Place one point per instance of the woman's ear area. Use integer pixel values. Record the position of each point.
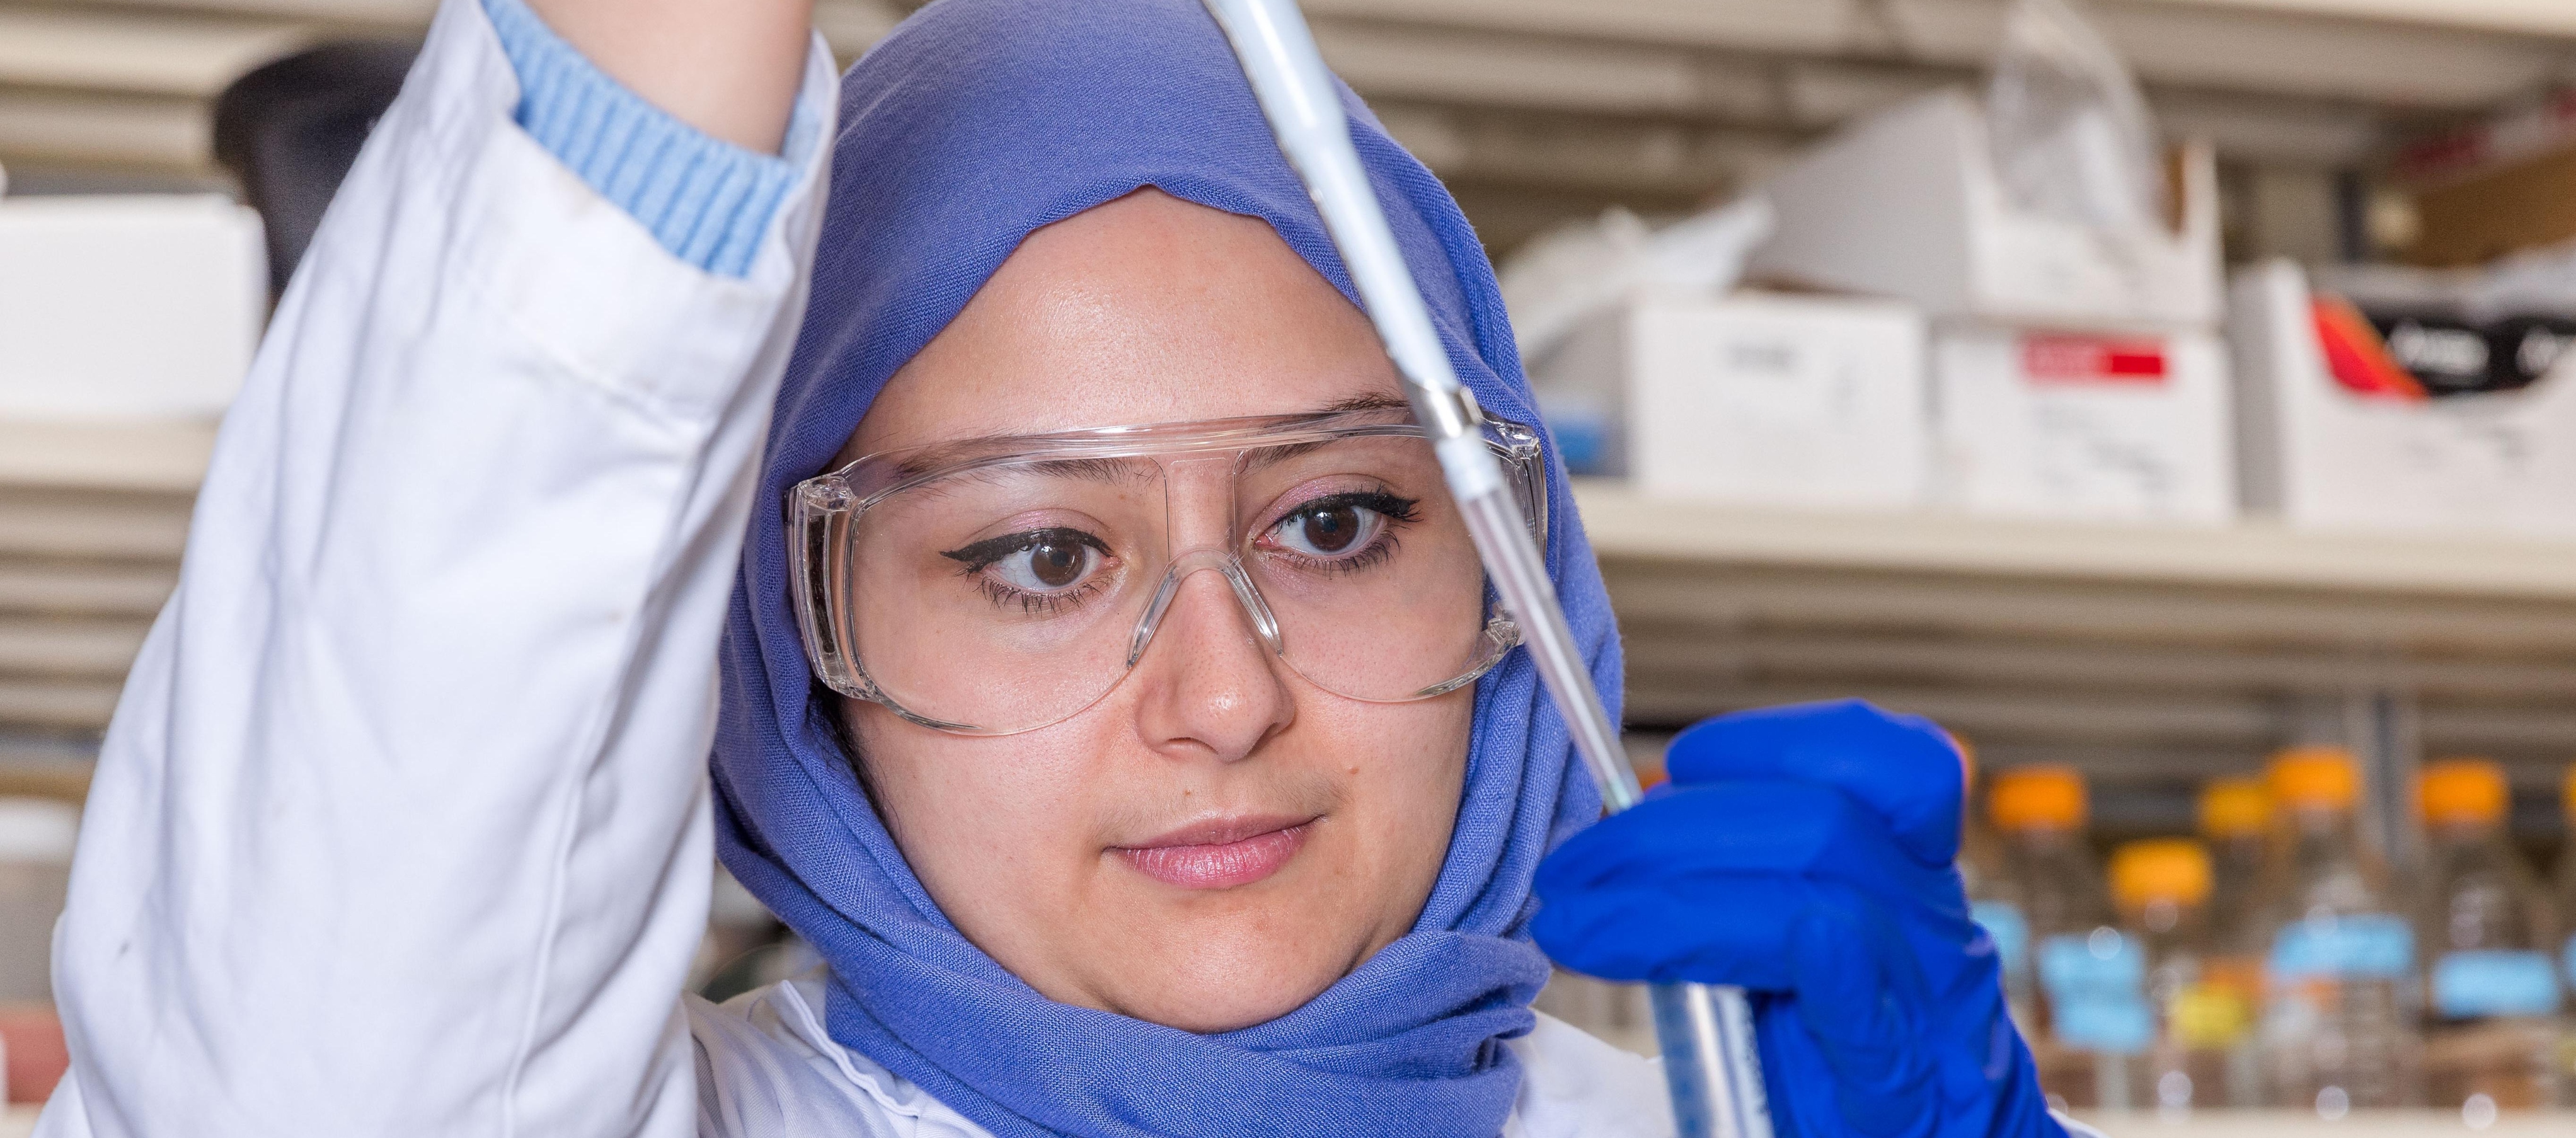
(836, 710)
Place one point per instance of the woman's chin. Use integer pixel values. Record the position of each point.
(1218, 982)
(1213, 1009)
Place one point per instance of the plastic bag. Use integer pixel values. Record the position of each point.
(1573, 272)
(2071, 135)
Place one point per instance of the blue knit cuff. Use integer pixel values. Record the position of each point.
(707, 201)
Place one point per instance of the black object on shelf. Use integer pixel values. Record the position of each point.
(291, 129)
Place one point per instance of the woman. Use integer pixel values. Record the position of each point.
(1136, 781)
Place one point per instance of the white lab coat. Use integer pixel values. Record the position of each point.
(402, 824)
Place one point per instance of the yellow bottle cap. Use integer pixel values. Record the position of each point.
(2234, 808)
(2313, 777)
(2159, 869)
(2211, 1016)
(2041, 796)
(2461, 790)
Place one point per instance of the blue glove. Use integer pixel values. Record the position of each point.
(1806, 854)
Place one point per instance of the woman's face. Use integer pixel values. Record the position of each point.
(1217, 841)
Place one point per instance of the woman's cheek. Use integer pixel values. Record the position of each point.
(1007, 834)
(995, 827)
(1400, 768)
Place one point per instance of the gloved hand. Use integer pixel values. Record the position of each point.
(1806, 854)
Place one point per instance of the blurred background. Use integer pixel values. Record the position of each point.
(2143, 389)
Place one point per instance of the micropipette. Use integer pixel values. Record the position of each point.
(1706, 1032)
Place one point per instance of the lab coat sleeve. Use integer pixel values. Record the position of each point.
(401, 826)
(706, 200)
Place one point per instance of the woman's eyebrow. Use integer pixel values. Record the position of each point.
(1371, 402)
(1106, 470)
(1112, 471)
(1271, 455)
(1109, 470)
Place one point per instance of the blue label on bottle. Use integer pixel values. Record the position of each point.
(2096, 985)
(2364, 946)
(2004, 925)
(2494, 983)
(2569, 960)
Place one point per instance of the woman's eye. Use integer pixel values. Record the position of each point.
(1047, 564)
(1329, 529)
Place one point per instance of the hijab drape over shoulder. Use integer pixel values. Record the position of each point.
(975, 123)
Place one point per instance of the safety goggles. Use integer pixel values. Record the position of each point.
(995, 586)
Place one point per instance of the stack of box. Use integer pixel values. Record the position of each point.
(2438, 408)
(2075, 371)
(1765, 399)
(127, 307)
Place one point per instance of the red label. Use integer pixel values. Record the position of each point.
(2093, 359)
(2445, 154)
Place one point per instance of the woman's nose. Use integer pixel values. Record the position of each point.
(1208, 686)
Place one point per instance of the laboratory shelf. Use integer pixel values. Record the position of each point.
(1630, 526)
(92, 522)
(2144, 653)
(145, 458)
(2534, 17)
(1670, 99)
(2304, 1124)
(20, 1121)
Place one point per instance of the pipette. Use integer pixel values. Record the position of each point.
(1706, 1033)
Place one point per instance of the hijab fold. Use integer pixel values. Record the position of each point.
(973, 124)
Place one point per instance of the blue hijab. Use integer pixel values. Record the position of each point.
(975, 123)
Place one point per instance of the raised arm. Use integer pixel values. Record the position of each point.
(726, 67)
(401, 825)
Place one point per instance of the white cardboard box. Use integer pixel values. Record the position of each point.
(2318, 455)
(1907, 203)
(1755, 398)
(127, 306)
(2117, 426)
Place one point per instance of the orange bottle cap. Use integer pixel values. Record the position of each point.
(2234, 808)
(2314, 777)
(2160, 869)
(2033, 797)
(2461, 790)
(2567, 793)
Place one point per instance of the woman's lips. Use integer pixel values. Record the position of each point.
(1221, 853)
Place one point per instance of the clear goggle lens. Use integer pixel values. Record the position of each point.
(1007, 584)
